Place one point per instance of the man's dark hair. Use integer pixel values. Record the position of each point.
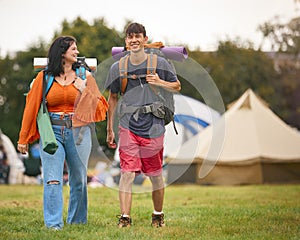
(135, 28)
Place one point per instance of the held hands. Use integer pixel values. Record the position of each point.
(80, 84)
(22, 148)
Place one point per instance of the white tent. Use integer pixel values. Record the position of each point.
(191, 117)
(16, 165)
(257, 147)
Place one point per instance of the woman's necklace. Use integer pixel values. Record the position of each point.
(66, 79)
(67, 76)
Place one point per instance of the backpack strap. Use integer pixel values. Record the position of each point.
(80, 72)
(123, 69)
(151, 63)
(47, 82)
(151, 69)
(48, 78)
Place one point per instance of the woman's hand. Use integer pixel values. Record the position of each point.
(23, 148)
(80, 84)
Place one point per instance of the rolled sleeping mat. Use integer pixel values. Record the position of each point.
(177, 53)
(40, 63)
(118, 52)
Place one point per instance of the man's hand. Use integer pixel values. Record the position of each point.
(110, 139)
(153, 79)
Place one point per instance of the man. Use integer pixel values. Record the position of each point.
(141, 133)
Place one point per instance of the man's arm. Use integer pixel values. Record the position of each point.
(112, 103)
(169, 86)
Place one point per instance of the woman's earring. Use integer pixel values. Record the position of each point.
(63, 57)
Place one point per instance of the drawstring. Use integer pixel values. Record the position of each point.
(62, 130)
(80, 135)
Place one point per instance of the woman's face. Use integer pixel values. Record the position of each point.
(71, 53)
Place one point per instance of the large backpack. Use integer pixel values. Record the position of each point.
(164, 96)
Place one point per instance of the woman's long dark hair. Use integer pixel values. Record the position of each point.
(55, 54)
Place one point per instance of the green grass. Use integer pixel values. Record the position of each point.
(192, 212)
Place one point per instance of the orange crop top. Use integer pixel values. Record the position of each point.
(61, 98)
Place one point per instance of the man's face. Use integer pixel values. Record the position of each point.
(135, 41)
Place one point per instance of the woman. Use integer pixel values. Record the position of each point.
(69, 100)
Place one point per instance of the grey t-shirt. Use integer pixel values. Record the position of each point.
(139, 93)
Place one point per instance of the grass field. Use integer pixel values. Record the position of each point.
(192, 212)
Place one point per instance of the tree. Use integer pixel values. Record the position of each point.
(235, 68)
(16, 74)
(95, 40)
(285, 39)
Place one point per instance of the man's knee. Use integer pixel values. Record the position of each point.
(127, 176)
(157, 182)
(126, 181)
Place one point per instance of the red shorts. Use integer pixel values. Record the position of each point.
(138, 154)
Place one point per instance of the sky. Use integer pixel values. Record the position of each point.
(193, 23)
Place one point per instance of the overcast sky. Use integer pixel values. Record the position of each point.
(193, 23)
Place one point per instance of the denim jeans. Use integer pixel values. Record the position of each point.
(74, 146)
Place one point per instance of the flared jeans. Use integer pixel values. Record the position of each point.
(74, 146)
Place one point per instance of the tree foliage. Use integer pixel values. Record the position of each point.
(16, 74)
(95, 40)
(235, 69)
(284, 37)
